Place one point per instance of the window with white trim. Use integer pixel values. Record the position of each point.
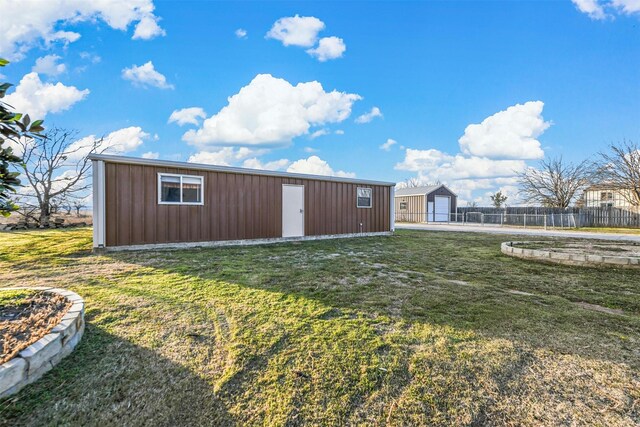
(174, 189)
(364, 197)
(606, 195)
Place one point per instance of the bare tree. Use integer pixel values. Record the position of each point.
(413, 183)
(66, 205)
(56, 167)
(54, 206)
(78, 205)
(619, 169)
(63, 204)
(27, 211)
(409, 183)
(555, 183)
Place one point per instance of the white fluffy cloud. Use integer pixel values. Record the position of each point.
(591, 8)
(319, 133)
(49, 65)
(91, 57)
(627, 6)
(148, 28)
(296, 30)
(387, 145)
(464, 175)
(314, 165)
(146, 76)
(151, 155)
(191, 115)
(367, 117)
(328, 48)
(421, 160)
(272, 111)
(36, 98)
(509, 134)
(303, 31)
(241, 33)
(478, 167)
(248, 158)
(492, 154)
(25, 23)
(225, 156)
(440, 166)
(275, 165)
(602, 9)
(120, 141)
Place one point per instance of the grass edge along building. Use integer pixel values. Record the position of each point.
(146, 203)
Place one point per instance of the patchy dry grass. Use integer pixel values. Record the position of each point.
(423, 328)
(613, 230)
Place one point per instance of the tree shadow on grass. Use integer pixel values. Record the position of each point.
(450, 309)
(111, 381)
(296, 307)
(440, 285)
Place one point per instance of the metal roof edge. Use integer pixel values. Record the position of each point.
(428, 192)
(443, 185)
(229, 169)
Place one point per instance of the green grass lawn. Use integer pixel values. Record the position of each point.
(422, 328)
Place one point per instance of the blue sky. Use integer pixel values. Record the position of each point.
(470, 92)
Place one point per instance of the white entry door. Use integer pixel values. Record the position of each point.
(292, 210)
(441, 208)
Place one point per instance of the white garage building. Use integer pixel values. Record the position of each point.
(429, 203)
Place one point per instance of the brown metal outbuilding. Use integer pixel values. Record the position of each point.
(152, 203)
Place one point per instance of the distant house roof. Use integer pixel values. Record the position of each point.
(419, 191)
(604, 186)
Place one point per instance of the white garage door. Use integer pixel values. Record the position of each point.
(442, 209)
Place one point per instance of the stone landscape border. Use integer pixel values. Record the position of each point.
(587, 260)
(40, 357)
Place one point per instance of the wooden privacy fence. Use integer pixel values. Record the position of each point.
(518, 216)
(569, 217)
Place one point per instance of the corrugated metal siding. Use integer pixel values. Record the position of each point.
(236, 206)
(415, 211)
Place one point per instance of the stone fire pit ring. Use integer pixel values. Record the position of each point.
(572, 256)
(40, 357)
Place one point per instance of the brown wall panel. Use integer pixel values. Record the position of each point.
(149, 205)
(236, 206)
(223, 208)
(124, 203)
